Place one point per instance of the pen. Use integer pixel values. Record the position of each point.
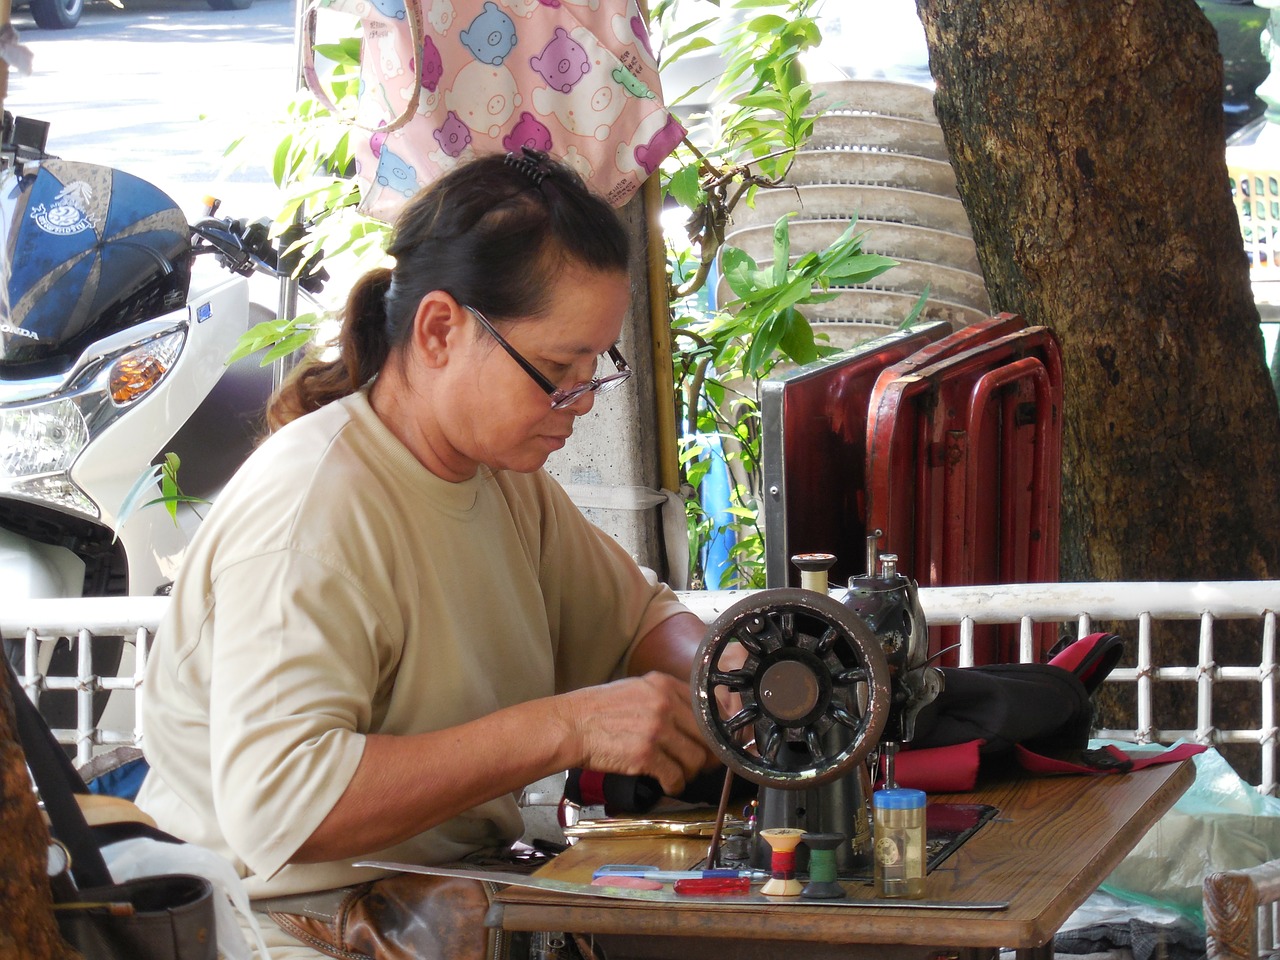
(668, 876)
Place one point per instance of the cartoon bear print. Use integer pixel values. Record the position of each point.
(655, 138)
(441, 15)
(639, 34)
(484, 97)
(527, 132)
(562, 62)
(452, 135)
(389, 62)
(627, 80)
(522, 8)
(605, 98)
(391, 9)
(578, 163)
(432, 67)
(491, 35)
(394, 174)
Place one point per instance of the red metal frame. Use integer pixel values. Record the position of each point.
(964, 463)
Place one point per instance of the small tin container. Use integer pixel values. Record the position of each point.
(898, 842)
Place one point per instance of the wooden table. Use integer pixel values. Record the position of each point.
(1053, 841)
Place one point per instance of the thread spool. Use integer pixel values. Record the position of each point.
(782, 843)
(822, 883)
(813, 569)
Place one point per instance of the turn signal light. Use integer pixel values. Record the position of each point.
(133, 374)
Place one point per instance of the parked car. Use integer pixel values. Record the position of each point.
(65, 14)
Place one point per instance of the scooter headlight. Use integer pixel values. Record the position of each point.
(41, 439)
(38, 445)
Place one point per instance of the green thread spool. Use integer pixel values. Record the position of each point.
(822, 883)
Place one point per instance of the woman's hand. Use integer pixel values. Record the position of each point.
(641, 725)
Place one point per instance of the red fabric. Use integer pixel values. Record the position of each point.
(591, 788)
(952, 769)
(1108, 759)
(1071, 656)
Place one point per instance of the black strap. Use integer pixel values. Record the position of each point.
(58, 783)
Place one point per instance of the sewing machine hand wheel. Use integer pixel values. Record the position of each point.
(814, 686)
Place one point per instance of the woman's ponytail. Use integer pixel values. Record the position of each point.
(363, 347)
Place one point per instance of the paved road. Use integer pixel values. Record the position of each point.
(160, 88)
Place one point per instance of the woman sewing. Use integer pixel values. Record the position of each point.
(393, 619)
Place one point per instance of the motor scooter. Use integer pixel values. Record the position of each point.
(117, 318)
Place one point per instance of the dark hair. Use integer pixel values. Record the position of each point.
(492, 233)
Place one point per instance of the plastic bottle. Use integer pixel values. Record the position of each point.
(898, 842)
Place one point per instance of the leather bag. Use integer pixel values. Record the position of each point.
(165, 917)
(402, 917)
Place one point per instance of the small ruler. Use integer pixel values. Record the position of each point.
(669, 897)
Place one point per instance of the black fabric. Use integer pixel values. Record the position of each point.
(621, 793)
(58, 783)
(1146, 940)
(1038, 705)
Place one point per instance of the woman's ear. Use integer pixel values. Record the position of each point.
(438, 327)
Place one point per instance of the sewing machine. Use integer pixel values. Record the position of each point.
(829, 688)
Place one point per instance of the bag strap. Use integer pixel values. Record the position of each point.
(57, 782)
(413, 17)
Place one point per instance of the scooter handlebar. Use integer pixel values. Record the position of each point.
(246, 247)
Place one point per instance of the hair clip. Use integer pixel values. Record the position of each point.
(532, 163)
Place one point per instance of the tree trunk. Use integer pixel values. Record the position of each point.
(1087, 138)
(27, 927)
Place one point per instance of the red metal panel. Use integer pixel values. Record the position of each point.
(964, 458)
(823, 431)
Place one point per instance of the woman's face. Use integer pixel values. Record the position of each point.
(495, 413)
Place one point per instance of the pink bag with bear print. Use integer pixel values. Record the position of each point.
(446, 80)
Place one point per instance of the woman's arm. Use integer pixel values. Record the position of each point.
(404, 785)
(670, 647)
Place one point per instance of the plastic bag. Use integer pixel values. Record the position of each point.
(1220, 823)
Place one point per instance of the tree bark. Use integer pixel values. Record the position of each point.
(27, 926)
(1087, 138)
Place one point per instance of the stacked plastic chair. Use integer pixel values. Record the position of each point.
(877, 155)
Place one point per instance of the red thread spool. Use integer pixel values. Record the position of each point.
(782, 862)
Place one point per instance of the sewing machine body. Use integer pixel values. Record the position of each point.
(829, 688)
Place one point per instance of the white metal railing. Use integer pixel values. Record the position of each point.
(41, 621)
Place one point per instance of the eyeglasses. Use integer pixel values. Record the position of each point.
(560, 398)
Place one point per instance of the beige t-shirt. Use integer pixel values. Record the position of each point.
(338, 588)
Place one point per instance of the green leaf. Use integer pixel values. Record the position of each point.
(767, 23)
(797, 339)
(781, 247)
(280, 162)
(861, 268)
(684, 187)
(693, 46)
(740, 272)
(917, 308)
(763, 344)
(286, 346)
(339, 53)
